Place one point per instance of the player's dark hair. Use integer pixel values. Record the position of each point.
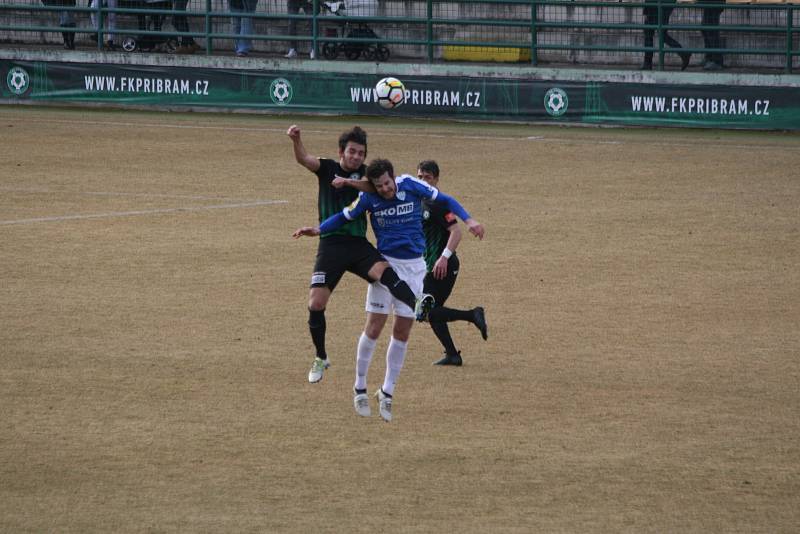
(377, 167)
(429, 166)
(356, 135)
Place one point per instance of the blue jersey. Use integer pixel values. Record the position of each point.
(397, 222)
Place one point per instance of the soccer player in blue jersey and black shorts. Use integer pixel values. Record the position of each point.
(345, 248)
(396, 217)
(442, 236)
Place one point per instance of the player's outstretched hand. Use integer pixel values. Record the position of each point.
(339, 182)
(310, 231)
(476, 228)
(293, 132)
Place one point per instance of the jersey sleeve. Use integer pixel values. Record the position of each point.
(452, 204)
(358, 207)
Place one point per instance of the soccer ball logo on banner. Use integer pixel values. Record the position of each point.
(390, 93)
(18, 80)
(556, 102)
(280, 91)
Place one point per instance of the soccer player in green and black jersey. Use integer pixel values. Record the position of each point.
(442, 235)
(347, 248)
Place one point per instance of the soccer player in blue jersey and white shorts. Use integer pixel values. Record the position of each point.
(346, 248)
(396, 216)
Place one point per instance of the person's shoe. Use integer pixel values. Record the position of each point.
(291, 54)
(70, 43)
(685, 58)
(384, 404)
(361, 403)
(646, 66)
(317, 370)
(450, 360)
(312, 54)
(711, 65)
(479, 318)
(241, 54)
(425, 304)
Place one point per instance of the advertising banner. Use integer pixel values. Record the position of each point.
(426, 96)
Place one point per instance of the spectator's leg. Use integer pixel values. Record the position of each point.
(650, 17)
(711, 38)
(112, 21)
(93, 17)
(236, 28)
(65, 20)
(293, 8)
(181, 23)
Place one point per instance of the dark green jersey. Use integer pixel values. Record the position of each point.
(436, 221)
(332, 201)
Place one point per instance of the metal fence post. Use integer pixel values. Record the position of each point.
(99, 29)
(429, 30)
(789, 37)
(209, 41)
(534, 36)
(314, 26)
(660, 33)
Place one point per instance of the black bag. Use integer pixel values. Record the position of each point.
(236, 4)
(60, 3)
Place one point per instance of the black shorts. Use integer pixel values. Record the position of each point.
(441, 289)
(337, 254)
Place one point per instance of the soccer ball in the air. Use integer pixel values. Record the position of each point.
(390, 93)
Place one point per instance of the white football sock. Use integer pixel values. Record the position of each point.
(395, 356)
(366, 347)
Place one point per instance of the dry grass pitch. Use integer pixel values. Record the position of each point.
(641, 372)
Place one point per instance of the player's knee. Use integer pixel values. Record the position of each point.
(377, 271)
(389, 278)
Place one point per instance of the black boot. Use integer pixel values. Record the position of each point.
(65, 36)
(69, 37)
(685, 58)
(448, 359)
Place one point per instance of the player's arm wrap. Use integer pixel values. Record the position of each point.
(334, 222)
(452, 205)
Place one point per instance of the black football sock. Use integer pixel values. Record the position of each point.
(316, 325)
(443, 335)
(441, 314)
(398, 288)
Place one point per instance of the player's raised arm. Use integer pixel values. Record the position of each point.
(300, 154)
(363, 185)
(475, 228)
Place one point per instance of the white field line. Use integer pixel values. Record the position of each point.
(416, 133)
(134, 213)
(114, 194)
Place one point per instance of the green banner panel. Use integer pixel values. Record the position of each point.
(426, 96)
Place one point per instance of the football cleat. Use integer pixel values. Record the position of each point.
(450, 360)
(479, 318)
(425, 304)
(361, 404)
(384, 405)
(317, 370)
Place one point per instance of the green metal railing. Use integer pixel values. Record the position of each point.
(756, 35)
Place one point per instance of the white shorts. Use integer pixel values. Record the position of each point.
(380, 300)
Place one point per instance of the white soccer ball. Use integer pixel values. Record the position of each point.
(390, 93)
